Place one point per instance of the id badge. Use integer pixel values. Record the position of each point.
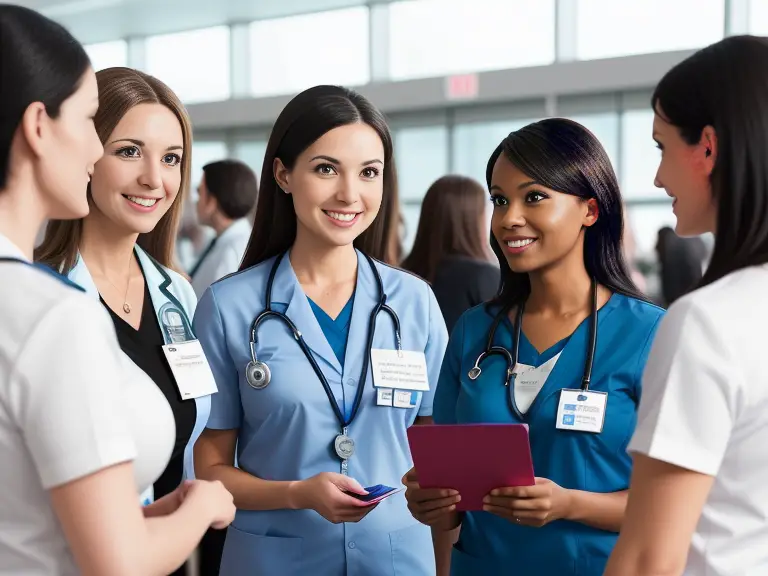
(581, 411)
(396, 398)
(190, 369)
(399, 370)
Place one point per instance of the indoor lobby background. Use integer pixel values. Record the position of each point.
(453, 76)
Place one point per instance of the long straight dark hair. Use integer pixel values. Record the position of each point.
(564, 156)
(303, 121)
(725, 86)
(451, 223)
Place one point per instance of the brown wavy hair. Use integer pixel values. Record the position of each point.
(120, 89)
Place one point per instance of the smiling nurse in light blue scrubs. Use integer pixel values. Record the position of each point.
(322, 355)
(556, 229)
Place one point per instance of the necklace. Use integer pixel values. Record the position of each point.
(126, 305)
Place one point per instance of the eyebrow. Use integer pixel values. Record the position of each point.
(335, 161)
(519, 186)
(142, 143)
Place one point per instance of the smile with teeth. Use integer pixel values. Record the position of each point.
(520, 243)
(342, 217)
(146, 202)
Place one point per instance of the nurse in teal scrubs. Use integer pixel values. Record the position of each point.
(302, 407)
(556, 230)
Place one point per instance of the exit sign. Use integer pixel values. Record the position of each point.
(462, 87)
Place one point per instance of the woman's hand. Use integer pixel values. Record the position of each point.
(535, 506)
(434, 507)
(326, 494)
(214, 499)
(169, 503)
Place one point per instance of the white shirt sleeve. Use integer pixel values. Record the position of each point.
(67, 398)
(692, 391)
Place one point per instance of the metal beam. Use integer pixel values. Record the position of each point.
(627, 74)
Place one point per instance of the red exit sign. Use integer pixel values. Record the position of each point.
(462, 86)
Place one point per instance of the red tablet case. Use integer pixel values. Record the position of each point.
(471, 458)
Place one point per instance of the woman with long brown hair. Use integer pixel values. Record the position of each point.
(306, 415)
(122, 251)
(451, 250)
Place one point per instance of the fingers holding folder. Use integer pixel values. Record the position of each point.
(435, 507)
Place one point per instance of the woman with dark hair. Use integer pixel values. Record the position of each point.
(306, 343)
(576, 333)
(451, 249)
(680, 264)
(699, 499)
(82, 434)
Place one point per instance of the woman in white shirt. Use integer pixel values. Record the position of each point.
(82, 431)
(698, 502)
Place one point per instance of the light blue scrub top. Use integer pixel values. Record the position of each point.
(575, 460)
(286, 430)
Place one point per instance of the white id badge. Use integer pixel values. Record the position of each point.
(581, 411)
(190, 369)
(399, 370)
(384, 396)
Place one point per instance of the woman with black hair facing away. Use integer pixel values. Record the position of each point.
(82, 432)
(699, 499)
(304, 404)
(451, 249)
(556, 230)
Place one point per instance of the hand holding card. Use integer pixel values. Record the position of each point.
(376, 494)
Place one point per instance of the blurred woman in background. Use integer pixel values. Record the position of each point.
(451, 250)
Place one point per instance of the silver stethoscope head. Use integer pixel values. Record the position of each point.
(257, 373)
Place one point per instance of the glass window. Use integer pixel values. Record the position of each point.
(607, 28)
(411, 214)
(291, 54)
(204, 152)
(108, 54)
(252, 153)
(640, 157)
(421, 155)
(644, 222)
(605, 127)
(441, 37)
(195, 64)
(474, 143)
(758, 17)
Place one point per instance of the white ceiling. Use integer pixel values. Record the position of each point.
(102, 20)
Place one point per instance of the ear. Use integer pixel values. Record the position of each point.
(281, 175)
(33, 126)
(708, 142)
(593, 211)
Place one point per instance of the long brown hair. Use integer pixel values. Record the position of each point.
(303, 121)
(120, 89)
(451, 223)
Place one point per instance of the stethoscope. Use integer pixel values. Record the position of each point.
(511, 357)
(258, 375)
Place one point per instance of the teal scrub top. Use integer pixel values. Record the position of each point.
(286, 430)
(576, 460)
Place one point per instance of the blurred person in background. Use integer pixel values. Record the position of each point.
(698, 500)
(681, 264)
(451, 249)
(82, 430)
(121, 253)
(226, 196)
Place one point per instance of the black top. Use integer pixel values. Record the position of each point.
(144, 347)
(462, 283)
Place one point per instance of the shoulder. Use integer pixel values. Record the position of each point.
(396, 279)
(637, 311)
(253, 279)
(732, 308)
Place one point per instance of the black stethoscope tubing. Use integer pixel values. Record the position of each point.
(511, 357)
(381, 305)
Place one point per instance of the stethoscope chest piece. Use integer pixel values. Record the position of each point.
(258, 375)
(474, 373)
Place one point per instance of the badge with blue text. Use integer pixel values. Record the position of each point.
(581, 411)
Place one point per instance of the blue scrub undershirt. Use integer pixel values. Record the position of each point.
(336, 331)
